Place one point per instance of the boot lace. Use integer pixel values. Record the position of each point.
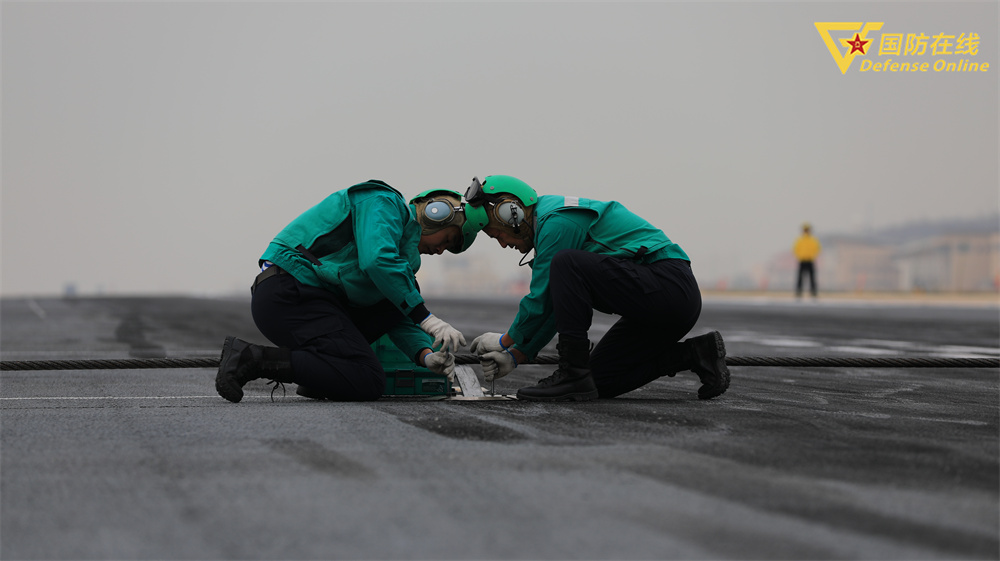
(275, 388)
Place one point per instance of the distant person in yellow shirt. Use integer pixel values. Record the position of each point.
(807, 249)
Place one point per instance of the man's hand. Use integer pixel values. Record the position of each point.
(487, 342)
(497, 364)
(441, 363)
(446, 337)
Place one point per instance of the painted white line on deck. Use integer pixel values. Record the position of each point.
(956, 421)
(36, 308)
(876, 347)
(862, 351)
(964, 350)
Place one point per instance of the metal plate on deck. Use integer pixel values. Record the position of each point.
(471, 390)
(468, 380)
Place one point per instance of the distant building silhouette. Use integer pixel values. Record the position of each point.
(951, 263)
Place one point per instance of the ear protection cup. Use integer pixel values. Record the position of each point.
(439, 212)
(510, 213)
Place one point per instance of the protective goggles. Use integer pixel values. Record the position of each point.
(475, 195)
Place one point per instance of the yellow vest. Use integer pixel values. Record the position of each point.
(807, 248)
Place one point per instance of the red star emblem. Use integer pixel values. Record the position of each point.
(858, 45)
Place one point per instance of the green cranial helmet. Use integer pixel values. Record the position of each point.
(437, 209)
(507, 201)
(500, 185)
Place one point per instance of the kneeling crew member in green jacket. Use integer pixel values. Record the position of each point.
(340, 276)
(593, 255)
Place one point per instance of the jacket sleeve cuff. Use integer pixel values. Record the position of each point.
(416, 358)
(419, 313)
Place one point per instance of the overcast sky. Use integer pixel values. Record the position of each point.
(158, 147)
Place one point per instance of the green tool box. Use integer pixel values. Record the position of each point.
(402, 377)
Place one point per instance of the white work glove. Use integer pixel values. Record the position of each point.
(497, 364)
(487, 342)
(441, 363)
(446, 337)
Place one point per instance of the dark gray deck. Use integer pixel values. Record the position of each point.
(816, 463)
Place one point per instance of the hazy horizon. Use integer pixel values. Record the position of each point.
(158, 147)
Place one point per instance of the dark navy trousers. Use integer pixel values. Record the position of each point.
(659, 303)
(806, 268)
(330, 341)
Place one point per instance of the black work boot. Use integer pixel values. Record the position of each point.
(708, 360)
(571, 381)
(675, 357)
(242, 361)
